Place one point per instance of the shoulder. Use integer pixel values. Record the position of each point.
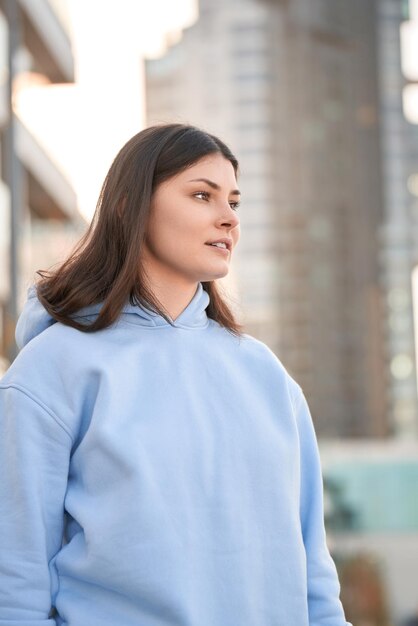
(260, 350)
(64, 343)
(55, 361)
(264, 354)
(265, 364)
(245, 343)
(55, 345)
(58, 369)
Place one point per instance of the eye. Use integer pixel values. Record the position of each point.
(206, 194)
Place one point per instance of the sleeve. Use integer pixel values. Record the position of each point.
(34, 460)
(325, 608)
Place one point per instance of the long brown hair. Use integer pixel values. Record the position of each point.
(105, 265)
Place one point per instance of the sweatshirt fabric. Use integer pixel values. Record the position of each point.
(158, 475)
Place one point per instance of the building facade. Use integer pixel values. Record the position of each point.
(293, 87)
(399, 232)
(38, 209)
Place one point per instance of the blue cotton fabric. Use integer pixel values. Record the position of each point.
(156, 474)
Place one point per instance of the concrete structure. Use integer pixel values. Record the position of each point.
(38, 209)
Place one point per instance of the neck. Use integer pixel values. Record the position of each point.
(173, 295)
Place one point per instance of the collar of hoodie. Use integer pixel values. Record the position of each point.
(34, 318)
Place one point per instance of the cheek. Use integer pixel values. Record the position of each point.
(169, 234)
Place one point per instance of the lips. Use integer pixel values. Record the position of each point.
(225, 240)
(225, 250)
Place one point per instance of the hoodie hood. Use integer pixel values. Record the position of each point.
(34, 318)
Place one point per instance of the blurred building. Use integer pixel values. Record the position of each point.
(371, 514)
(293, 87)
(399, 232)
(45, 218)
(308, 93)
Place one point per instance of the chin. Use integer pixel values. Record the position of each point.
(215, 275)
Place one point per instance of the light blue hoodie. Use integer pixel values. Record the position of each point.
(156, 474)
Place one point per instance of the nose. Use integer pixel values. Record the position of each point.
(230, 217)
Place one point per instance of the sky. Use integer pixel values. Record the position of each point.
(82, 126)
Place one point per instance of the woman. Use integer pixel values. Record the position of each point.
(159, 466)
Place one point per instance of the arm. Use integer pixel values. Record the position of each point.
(34, 459)
(325, 608)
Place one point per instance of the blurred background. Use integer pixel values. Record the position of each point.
(319, 101)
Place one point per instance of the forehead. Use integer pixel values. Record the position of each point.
(214, 166)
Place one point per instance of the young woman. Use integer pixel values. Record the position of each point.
(158, 465)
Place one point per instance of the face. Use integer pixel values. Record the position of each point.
(186, 213)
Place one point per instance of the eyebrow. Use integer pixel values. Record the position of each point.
(235, 192)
